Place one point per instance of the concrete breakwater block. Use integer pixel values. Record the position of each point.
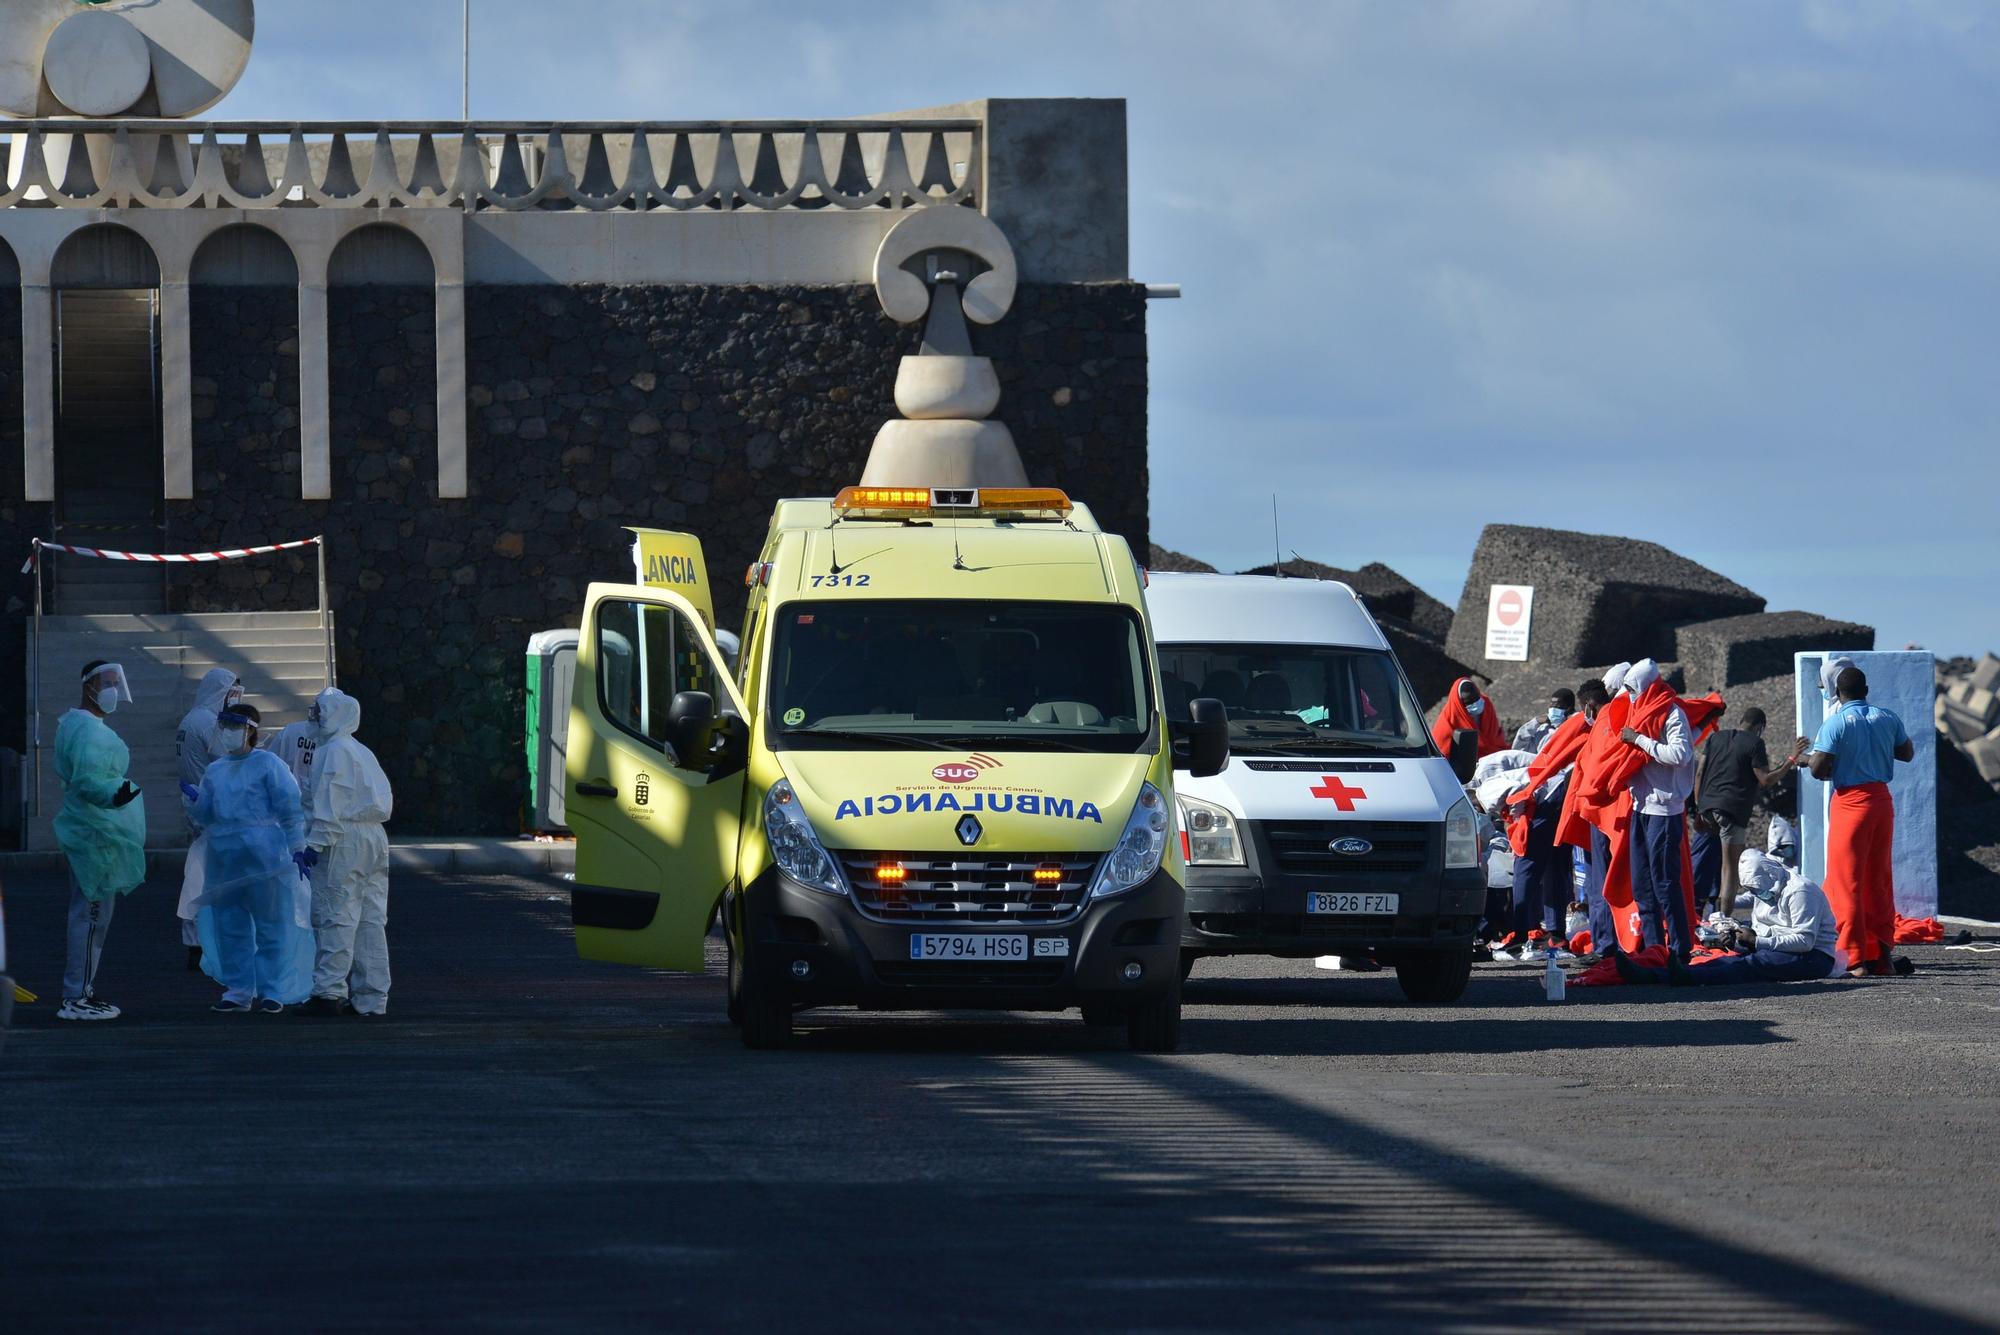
(1597, 598)
(1730, 650)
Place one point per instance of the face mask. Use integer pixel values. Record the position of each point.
(1476, 708)
(233, 739)
(107, 700)
(1765, 895)
(1556, 715)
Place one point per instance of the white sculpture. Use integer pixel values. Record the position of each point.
(123, 58)
(923, 271)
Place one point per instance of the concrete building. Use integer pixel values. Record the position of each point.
(468, 354)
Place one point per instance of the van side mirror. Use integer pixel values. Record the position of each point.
(1201, 744)
(690, 728)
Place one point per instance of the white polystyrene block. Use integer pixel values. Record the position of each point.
(1905, 683)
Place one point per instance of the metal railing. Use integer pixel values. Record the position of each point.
(507, 165)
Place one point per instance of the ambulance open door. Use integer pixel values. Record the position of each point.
(653, 781)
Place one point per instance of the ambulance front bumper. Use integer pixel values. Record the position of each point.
(820, 950)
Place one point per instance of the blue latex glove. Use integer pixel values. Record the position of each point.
(306, 859)
(190, 792)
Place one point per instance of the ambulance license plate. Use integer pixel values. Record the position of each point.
(1374, 905)
(980, 946)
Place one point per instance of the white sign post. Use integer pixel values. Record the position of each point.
(1510, 608)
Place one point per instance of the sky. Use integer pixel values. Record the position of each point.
(1724, 276)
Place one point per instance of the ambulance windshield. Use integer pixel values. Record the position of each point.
(1299, 699)
(955, 673)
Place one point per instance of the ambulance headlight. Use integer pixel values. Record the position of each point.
(1208, 835)
(1461, 836)
(795, 846)
(1136, 856)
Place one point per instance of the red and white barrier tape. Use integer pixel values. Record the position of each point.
(174, 558)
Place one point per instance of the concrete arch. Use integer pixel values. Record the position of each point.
(10, 265)
(244, 254)
(104, 255)
(381, 254)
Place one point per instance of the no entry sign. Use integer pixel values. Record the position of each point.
(1510, 609)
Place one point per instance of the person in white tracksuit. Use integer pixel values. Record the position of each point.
(194, 746)
(350, 881)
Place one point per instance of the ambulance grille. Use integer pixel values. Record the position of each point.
(1303, 848)
(943, 887)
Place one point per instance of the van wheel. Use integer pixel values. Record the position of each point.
(1103, 1014)
(766, 1012)
(1188, 957)
(1434, 976)
(1154, 1025)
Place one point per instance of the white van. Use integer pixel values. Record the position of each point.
(1336, 828)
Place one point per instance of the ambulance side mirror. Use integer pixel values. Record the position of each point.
(1464, 755)
(1201, 744)
(690, 728)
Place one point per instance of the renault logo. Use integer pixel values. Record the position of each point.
(1351, 847)
(968, 830)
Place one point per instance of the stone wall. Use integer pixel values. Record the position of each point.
(20, 523)
(589, 408)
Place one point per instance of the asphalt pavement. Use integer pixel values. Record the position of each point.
(531, 1141)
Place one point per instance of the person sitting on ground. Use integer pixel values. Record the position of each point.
(1531, 735)
(1732, 770)
(1791, 940)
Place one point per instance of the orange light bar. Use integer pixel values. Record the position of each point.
(1047, 875)
(952, 500)
(891, 873)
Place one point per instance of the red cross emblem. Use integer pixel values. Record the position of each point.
(1333, 787)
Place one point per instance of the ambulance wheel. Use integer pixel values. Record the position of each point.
(1434, 976)
(1103, 1014)
(1154, 1025)
(767, 1012)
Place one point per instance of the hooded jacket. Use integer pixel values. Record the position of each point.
(348, 787)
(1665, 778)
(195, 739)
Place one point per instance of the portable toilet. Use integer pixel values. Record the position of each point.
(551, 671)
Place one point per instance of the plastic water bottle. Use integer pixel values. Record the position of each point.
(1555, 983)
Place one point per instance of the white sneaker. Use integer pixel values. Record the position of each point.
(87, 1008)
(1533, 955)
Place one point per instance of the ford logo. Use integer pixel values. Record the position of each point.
(1351, 847)
(957, 771)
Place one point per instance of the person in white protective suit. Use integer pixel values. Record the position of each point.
(253, 916)
(194, 745)
(350, 882)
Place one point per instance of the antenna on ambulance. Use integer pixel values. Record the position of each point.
(1277, 548)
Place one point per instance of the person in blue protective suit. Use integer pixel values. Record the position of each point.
(194, 748)
(255, 938)
(350, 892)
(101, 830)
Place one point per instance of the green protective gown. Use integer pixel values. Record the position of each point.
(105, 845)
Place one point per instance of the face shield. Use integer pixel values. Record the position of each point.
(108, 687)
(234, 695)
(235, 732)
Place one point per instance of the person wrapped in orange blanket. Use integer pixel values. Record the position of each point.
(1544, 870)
(1466, 709)
(1597, 809)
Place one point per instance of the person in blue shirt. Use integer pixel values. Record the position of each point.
(1857, 751)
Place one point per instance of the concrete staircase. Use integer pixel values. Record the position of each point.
(281, 657)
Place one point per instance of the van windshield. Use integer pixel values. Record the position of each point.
(1299, 699)
(954, 673)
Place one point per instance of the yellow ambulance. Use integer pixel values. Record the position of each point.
(940, 778)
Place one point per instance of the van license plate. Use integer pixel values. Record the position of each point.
(967, 946)
(1377, 905)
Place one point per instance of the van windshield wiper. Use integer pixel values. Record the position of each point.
(870, 737)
